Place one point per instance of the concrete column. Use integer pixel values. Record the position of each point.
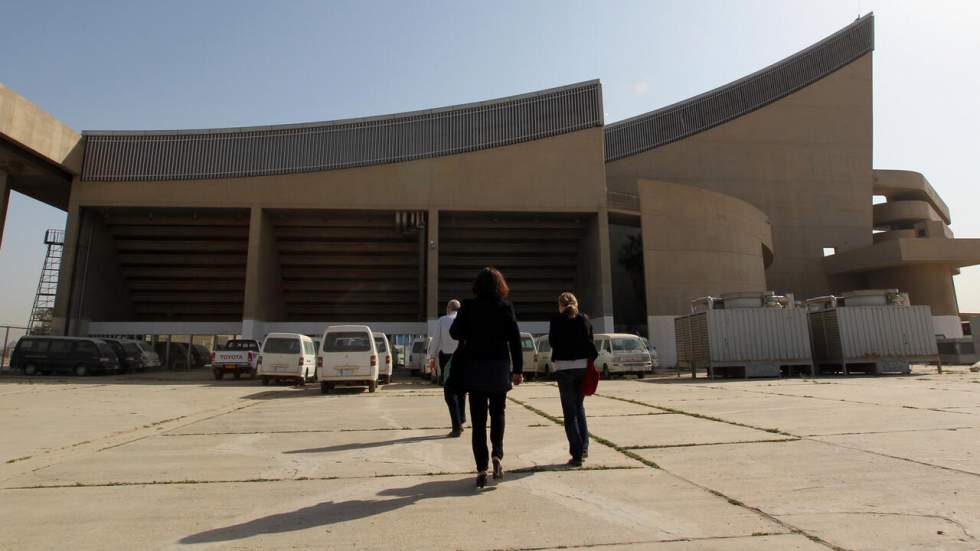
(4, 201)
(432, 306)
(263, 280)
(62, 305)
(604, 323)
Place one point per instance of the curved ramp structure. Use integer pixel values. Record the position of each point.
(697, 114)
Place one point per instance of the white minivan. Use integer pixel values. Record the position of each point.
(385, 366)
(529, 350)
(544, 355)
(286, 357)
(348, 355)
(622, 353)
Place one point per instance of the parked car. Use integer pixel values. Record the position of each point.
(544, 355)
(653, 352)
(287, 357)
(236, 357)
(529, 351)
(200, 357)
(417, 361)
(78, 355)
(149, 359)
(385, 364)
(348, 356)
(129, 360)
(621, 353)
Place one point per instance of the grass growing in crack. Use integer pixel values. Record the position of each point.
(598, 439)
(698, 415)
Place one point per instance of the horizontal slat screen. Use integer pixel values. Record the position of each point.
(708, 110)
(229, 153)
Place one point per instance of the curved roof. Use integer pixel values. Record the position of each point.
(697, 114)
(311, 147)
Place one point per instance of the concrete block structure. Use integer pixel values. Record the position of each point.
(380, 220)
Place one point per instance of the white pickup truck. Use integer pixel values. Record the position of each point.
(237, 357)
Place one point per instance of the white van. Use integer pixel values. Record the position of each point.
(529, 351)
(385, 366)
(418, 357)
(287, 356)
(544, 355)
(622, 353)
(348, 355)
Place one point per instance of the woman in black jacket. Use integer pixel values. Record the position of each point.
(489, 341)
(570, 336)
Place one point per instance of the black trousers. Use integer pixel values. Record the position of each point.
(455, 399)
(480, 404)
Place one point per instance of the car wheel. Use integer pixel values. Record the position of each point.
(265, 381)
(30, 370)
(218, 375)
(605, 372)
(81, 370)
(641, 375)
(372, 386)
(324, 388)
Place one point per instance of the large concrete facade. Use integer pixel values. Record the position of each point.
(381, 220)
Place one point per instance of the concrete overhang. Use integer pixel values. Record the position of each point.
(901, 185)
(905, 212)
(39, 154)
(900, 252)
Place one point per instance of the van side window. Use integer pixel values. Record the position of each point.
(86, 347)
(60, 347)
(308, 347)
(34, 345)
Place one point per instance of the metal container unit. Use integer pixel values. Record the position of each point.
(874, 331)
(749, 334)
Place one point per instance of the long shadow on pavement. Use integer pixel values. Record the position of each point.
(331, 512)
(368, 445)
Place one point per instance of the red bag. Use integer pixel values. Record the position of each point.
(591, 380)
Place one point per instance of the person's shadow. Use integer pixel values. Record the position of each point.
(330, 512)
(367, 445)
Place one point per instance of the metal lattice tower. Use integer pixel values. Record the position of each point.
(47, 285)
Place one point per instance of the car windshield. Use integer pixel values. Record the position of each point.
(276, 345)
(527, 343)
(628, 345)
(379, 342)
(146, 347)
(418, 347)
(347, 342)
(131, 348)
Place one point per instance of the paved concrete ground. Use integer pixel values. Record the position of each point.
(176, 461)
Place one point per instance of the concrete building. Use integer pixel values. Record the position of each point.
(764, 183)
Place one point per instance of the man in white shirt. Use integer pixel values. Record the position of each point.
(441, 349)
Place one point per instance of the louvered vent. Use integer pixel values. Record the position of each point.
(683, 119)
(276, 150)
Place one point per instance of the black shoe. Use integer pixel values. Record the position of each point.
(498, 469)
(481, 479)
(455, 433)
(573, 462)
(585, 453)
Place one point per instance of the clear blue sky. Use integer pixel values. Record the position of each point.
(179, 64)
